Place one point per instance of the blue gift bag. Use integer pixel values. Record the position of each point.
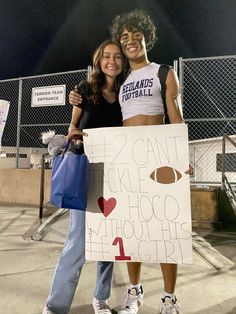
(69, 181)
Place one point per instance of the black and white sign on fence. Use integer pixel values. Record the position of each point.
(48, 96)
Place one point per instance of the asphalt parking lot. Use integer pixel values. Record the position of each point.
(26, 266)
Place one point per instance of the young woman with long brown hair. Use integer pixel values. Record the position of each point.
(98, 107)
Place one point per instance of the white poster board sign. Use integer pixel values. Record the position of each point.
(139, 195)
(48, 96)
(4, 108)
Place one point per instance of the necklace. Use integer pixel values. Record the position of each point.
(110, 96)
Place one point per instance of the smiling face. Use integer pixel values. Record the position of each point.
(111, 61)
(134, 46)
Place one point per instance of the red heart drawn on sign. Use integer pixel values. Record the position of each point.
(106, 206)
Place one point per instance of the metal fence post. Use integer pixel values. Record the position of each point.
(181, 79)
(90, 69)
(41, 192)
(175, 65)
(18, 122)
(223, 163)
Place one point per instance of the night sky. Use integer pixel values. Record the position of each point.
(47, 36)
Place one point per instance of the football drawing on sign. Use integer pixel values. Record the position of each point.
(165, 175)
(136, 208)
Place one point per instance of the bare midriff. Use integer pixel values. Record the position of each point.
(143, 119)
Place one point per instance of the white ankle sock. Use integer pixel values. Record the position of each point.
(170, 295)
(136, 287)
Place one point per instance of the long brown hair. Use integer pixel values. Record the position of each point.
(97, 78)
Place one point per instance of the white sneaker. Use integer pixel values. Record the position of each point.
(101, 307)
(133, 300)
(169, 306)
(47, 311)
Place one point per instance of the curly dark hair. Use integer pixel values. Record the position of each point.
(135, 20)
(97, 78)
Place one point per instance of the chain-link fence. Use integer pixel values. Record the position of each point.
(22, 146)
(208, 88)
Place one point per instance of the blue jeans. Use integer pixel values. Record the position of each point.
(69, 266)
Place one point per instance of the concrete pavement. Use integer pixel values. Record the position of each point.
(26, 266)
